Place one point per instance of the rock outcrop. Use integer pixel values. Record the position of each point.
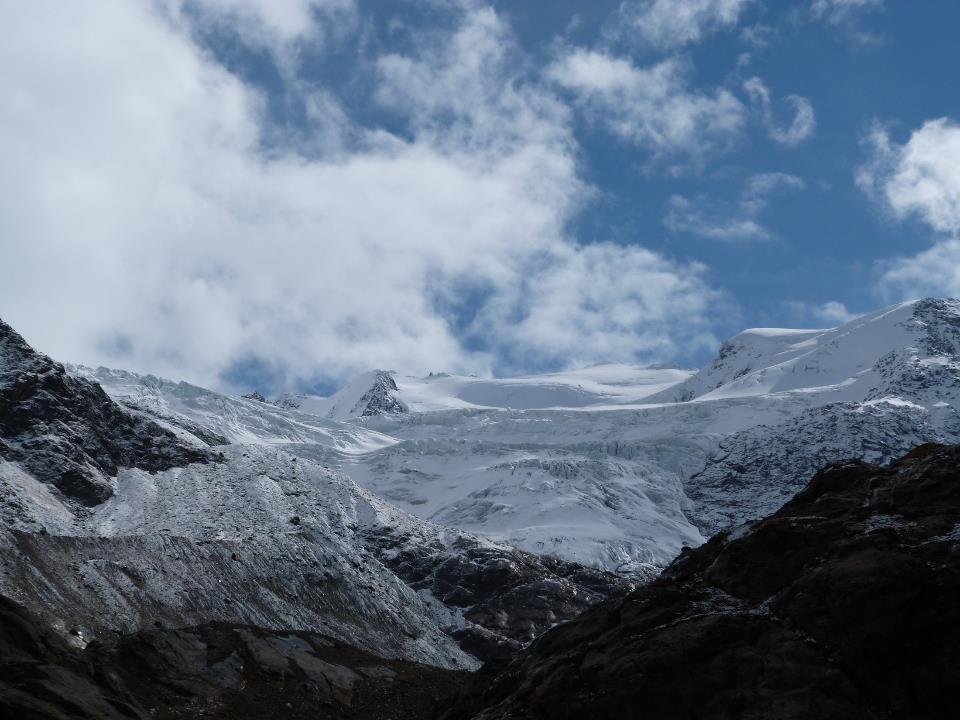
(379, 399)
(66, 432)
(509, 597)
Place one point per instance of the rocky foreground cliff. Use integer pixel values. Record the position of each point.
(845, 603)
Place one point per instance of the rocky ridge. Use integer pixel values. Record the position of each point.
(67, 433)
(841, 604)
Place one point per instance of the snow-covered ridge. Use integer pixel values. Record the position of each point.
(840, 364)
(189, 408)
(379, 392)
(368, 394)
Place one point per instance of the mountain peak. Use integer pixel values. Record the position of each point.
(368, 394)
(841, 363)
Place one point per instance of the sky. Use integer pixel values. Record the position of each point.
(279, 194)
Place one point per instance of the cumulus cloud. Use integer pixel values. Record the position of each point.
(672, 23)
(281, 27)
(839, 11)
(146, 226)
(651, 107)
(801, 125)
(920, 179)
(738, 221)
(604, 301)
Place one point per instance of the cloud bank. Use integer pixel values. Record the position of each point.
(148, 224)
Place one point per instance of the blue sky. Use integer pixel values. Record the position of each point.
(281, 194)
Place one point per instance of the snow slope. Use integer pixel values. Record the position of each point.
(259, 538)
(192, 410)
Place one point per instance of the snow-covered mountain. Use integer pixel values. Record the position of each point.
(865, 358)
(612, 466)
(389, 513)
(173, 505)
(621, 467)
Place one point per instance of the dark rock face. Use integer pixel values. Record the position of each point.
(66, 432)
(379, 399)
(843, 604)
(42, 677)
(511, 596)
(288, 402)
(254, 396)
(215, 671)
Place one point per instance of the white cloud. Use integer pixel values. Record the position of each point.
(672, 23)
(828, 314)
(759, 35)
(464, 92)
(920, 179)
(833, 313)
(144, 226)
(737, 221)
(651, 107)
(801, 125)
(603, 301)
(281, 27)
(284, 19)
(933, 272)
(838, 11)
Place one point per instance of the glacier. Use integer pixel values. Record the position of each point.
(612, 466)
